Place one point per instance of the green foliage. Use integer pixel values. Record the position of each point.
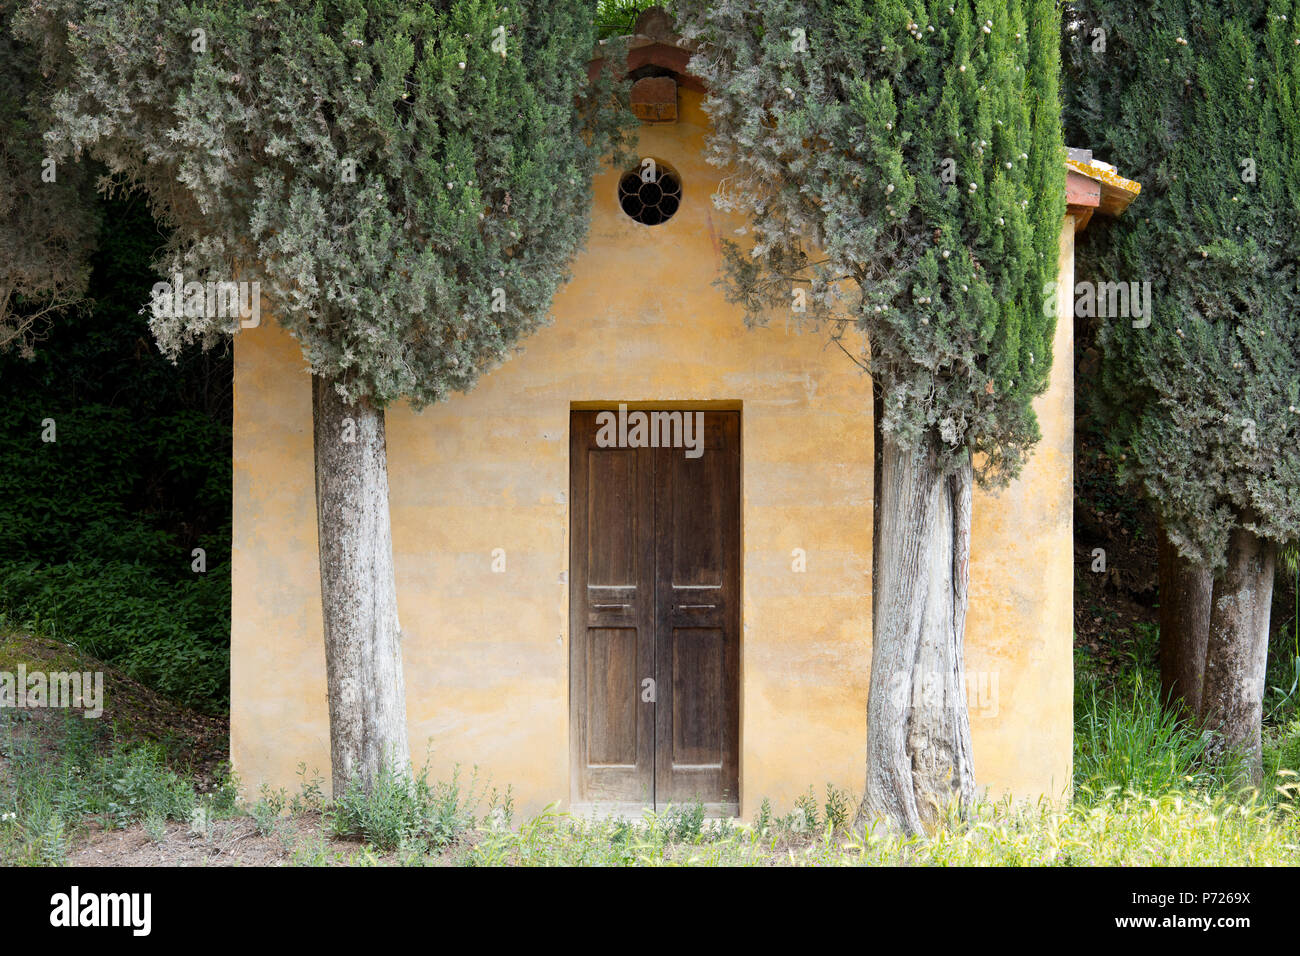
(840, 155)
(381, 168)
(172, 635)
(838, 808)
(84, 772)
(139, 784)
(155, 827)
(1126, 742)
(685, 823)
(1158, 820)
(1177, 827)
(677, 834)
(402, 810)
(1198, 101)
(616, 18)
(52, 843)
(97, 528)
(47, 229)
(1282, 679)
(310, 797)
(805, 818)
(1128, 829)
(1282, 751)
(267, 810)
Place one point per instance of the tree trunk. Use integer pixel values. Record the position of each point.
(1232, 701)
(363, 654)
(877, 471)
(918, 728)
(1186, 590)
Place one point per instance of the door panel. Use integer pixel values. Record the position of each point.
(613, 553)
(694, 522)
(611, 701)
(611, 619)
(655, 594)
(697, 618)
(698, 656)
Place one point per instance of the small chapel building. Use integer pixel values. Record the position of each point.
(603, 625)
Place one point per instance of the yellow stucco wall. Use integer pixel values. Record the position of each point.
(486, 654)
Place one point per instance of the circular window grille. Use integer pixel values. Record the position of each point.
(650, 195)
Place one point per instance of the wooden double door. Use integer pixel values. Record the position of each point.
(655, 619)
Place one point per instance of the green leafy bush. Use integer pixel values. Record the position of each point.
(405, 810)
(139, 785)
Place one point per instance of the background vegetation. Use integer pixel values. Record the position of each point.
(98, 527)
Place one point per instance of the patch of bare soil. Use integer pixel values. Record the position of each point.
(301, 840)
(234, 842)
(228, 843)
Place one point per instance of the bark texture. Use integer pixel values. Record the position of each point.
(918, 728)
(1186, 592)
(1232, 700)
(363, 654)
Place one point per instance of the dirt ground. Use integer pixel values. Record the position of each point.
(236, 842)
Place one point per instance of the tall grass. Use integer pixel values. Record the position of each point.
(1124, 741)
(1174, 829)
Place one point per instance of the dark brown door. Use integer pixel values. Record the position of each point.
(655, 619)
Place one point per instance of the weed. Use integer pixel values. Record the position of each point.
(402, 808)
(683, 824)
(838, 807)
(155, 827)
(1136, 745)
(763, 822)
(266, 812)
(310, 797)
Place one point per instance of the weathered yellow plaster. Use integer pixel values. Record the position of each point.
(1020, 624)
(486, 654)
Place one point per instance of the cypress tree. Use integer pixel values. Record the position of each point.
(902, 165)
(408, 181)
(1200, 100)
